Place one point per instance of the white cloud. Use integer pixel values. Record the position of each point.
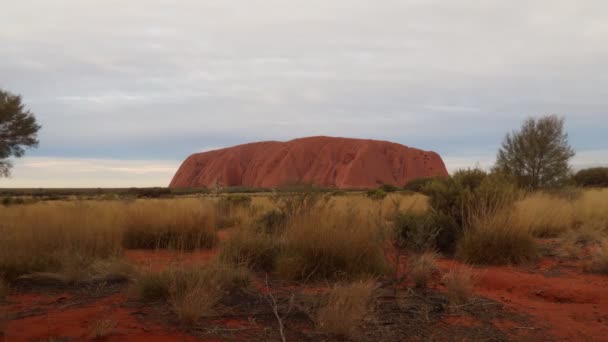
(35, 172)
(130, 79)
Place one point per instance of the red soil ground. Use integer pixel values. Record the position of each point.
(319, 161)
(561, 301)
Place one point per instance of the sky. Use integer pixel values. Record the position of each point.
(125, 90)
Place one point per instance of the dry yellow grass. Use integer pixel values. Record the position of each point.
(102, 328)
(421, 268)
(66, 236)
(328, 243)
(550, 215)
(346, 306)
(190, 291)
(496, 238)
(183, 224)
(599, 262)
(47, 236)
(459, 284)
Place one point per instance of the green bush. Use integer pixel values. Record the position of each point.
(376, 194)
(149, 192)
(388, 188)
(416, 185)
(272, 222)
(455, 200)
(427, 231)
(593, 177)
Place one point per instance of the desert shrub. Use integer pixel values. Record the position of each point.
(42, 237)
(299, 202)
(416, 185)
(572, 243)
(592, 177)
(459, 284)
(495, 238)
(332, 244)
(599, 263)
(388, 188)
(193, 291)
(467, 194)
(345, 307)
(421, 268)
(247, 247)
(338, 193)
(376, 194)
(8, 201)
(149, 192)
(272, 222)
(232, 201)
(151, 286)
(229, 208)
(102, 328)
(416, 232)
(183, 225)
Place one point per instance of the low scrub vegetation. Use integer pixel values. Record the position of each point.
(191, 292)
(599, 263)
(329, 244)
(251, 248)
(47, 237)
(496, 238)
(593, 177)
(345, 307)
(307, 239)
(459, 284)
(421, 268)
(184, 225)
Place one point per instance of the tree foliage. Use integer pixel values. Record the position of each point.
(18, 130)
(593, 177)
(537, 155)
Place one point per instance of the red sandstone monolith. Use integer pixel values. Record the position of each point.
(318, 161)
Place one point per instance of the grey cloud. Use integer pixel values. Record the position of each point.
(155, 76)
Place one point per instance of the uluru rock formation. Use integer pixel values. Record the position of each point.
(319, 161)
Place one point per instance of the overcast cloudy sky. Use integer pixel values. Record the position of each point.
(126, 89)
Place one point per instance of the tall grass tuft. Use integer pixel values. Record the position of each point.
(459, 284)
(346, 306)
(251, 248)
(421, 268)
(496, 238)
(183, 224)
(191, 292)
(50, 236)
(332, 244)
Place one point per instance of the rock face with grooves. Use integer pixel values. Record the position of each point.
(319, 161)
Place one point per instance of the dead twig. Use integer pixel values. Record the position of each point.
(275, 308)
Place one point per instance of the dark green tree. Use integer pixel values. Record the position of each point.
(537, 156)
(18, 130)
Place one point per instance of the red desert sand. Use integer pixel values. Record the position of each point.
(319, 161)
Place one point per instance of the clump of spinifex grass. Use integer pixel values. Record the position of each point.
(48, 236)
(459, 284)
(496, 238)
(345, 307)
(421, 268)
(332, 244)
(251, 248)
(184, 224)
(191, 292)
